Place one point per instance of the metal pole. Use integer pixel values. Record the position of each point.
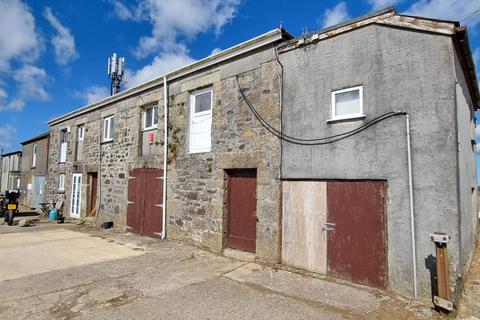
(412, 210)
(165, 149)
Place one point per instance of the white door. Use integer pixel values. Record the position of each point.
(76, 196)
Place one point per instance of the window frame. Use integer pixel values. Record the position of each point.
(61, 182)
(63, 142)
(144, 118)
(80, 132)
(359, 114)
(194, 114)
(34, 155)
(109, 129)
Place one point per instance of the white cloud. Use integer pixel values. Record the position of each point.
(171, 30)
(461, 10)
(7, 136)
(3, 94)
(18, 37)
(334, 15)
(379, 4)
(161, 64)
(122, 11)
(31, 82)
(215, 50)
(93, 93)
(169, 22)
(63, 42)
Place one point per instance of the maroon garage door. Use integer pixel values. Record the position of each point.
(336, 227)
(145, 196)
(357, 246)
(242, 206)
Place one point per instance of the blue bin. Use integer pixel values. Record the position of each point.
(53, 215)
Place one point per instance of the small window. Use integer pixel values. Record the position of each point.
(150, 118)
(201, 121)
(63, 145)
(61, 181)
(108, 128)
(34, 156)
(347, 103)
(80, 132)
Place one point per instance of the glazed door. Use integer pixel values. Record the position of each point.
(76, 196)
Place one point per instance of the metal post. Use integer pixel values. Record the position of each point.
(443, 299)
(412, 210)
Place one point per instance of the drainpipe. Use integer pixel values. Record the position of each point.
(165, 149)
(412, 211)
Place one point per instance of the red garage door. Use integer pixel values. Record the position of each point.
(357, 246)
(145, 195)
(337, 228)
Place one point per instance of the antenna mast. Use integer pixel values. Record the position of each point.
(116, 70)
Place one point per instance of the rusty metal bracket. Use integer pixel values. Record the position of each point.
(439, 238)
(443, 299)
(442, 303)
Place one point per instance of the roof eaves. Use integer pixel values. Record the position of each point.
(269, 37)
(11, 153)
(390, 9)
(36, 138)
(469, 64)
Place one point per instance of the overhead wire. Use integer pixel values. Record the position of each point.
(313, 141)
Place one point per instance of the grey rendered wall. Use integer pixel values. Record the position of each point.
(467, 173)
(398, 69)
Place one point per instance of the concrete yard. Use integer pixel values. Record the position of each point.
(51, 271)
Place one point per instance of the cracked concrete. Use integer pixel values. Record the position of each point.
(165, 280)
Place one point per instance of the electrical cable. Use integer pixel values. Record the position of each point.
(314, 141)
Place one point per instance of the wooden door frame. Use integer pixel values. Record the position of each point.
(90, 191)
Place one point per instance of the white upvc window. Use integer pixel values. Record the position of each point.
(63, 145)
(347, 103)
(200, 132)
(61, 181)
(80, 132)
(150, 118)
(108, 129)
(34, 155)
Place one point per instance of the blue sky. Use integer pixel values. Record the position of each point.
(53, 53)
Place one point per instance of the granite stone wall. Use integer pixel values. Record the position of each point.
(196, 190)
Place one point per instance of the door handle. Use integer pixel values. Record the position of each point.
(329, 226)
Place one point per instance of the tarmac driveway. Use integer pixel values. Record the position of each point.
(69, 272)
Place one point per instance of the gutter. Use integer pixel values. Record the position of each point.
(461, 37)
(227, 54)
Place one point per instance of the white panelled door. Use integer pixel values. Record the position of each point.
(76, 197)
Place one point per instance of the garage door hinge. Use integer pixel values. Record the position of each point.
(159, 205)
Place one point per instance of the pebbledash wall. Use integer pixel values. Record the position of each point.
(394, 65)
(196, 196)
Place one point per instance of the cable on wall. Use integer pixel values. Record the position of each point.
(314, 141)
